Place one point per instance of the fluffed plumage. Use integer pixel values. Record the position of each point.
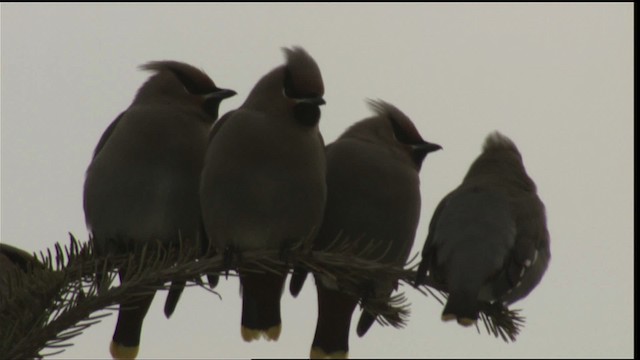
(142, 183)
(488, 239)
(373, 197)
(263, 185)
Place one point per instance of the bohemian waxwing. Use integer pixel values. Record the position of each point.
(14, 260)
(15, 257)
(142, 183)
(263, 184)
(27, 292)
(373, 196)
(488, 239)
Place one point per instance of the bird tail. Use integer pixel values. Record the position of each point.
(331, 339)
(366, 320)
(297, 280)
(462, 306)
(261, 295)
(173, 296)
(126, 337)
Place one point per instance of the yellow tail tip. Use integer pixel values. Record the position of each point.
(249, 335)
(271, 334)
(318, 353)
(466, 322)
(448, 317)
(123, 352)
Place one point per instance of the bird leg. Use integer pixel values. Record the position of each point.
(286, 251)
(231, 258)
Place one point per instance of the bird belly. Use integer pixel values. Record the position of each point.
(264, 213)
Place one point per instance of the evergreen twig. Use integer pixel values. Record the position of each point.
(43, 309)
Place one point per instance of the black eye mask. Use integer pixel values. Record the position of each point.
(307, 114)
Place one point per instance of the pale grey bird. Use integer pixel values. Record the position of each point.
(263, 184)
(373, 197)
(142, 183)
(488, 238)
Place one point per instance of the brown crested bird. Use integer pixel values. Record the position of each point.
(263, 184)
(15, 263)
(373, 199)
(142, 183)
(13, 257)
(29, 289)
(488, 238)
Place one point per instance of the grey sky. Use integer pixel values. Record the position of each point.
(556, 78)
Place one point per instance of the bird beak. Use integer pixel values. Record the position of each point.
(420, 151)
(221, 94)
(313, 101)
(426, 147)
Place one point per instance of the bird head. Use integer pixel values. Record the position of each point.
(293, 88)
(404, 133)
(184, 83)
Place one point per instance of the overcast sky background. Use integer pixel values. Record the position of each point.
(556, 78)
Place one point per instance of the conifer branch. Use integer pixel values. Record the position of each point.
(44, 308)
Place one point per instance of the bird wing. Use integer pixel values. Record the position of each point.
(530, 254)
(428, 251)
(106, 135)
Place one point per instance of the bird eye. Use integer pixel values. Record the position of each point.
(291, 92)
(400, 134)
(191, 85)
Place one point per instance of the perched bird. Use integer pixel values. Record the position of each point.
(373, 197)
(488, 238)
(27, 293)
(263, 183)
(14, 262)
(14, 257)
(142, 183)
